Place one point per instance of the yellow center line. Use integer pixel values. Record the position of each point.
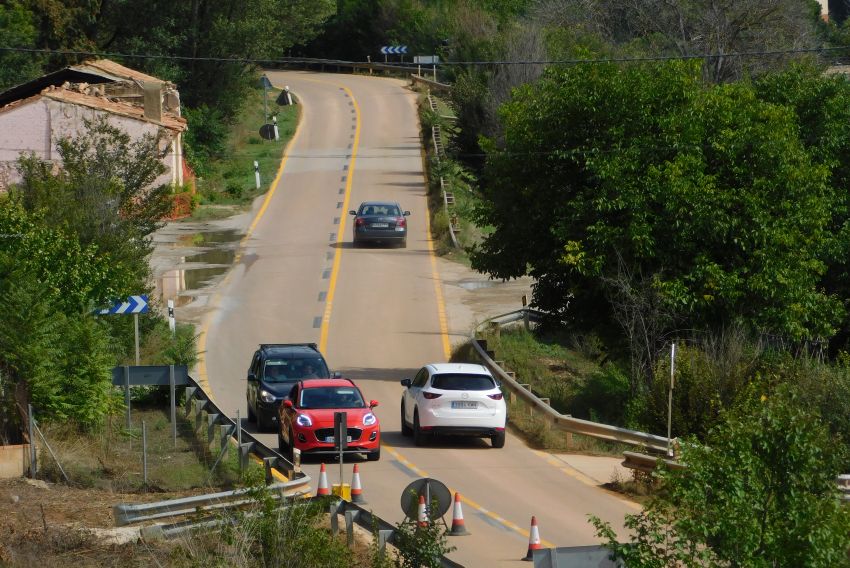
(465, 500)
(326, 318)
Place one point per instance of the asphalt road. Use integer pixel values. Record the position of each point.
(378, 315)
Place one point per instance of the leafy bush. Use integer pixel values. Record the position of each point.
(602, 396)
(205, 138)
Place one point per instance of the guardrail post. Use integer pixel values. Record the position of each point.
(212, 420)
(268, 463)
(333, 510)
(224, 430)
(197, 407)
(350, 517)
(384, 536)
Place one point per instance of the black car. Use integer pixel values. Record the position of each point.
(380, 221)
(275, 369)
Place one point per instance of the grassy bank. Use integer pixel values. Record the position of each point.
(230, 185)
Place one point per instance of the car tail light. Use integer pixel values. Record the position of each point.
(401, 222)
(430, 395)
(495, 396)
(359, 222)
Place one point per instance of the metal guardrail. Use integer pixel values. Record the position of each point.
(198, 402)
(648, 464)
(553, 417)
(197, 504)
(433, 85)
(436, 138)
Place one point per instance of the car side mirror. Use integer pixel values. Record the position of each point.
(352, 212)
(405, 383)
(406, 213)
(287, 404)
(373, 403)
(252, 377)
(336, 375)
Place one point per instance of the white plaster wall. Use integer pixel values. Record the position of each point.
(38, 126)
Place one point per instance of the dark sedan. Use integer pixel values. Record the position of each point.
(380, 221)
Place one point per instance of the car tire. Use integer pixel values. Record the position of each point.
(251, 416)
(418, 434)
(374, 456)
(498, 439)
(405, 429)
(403, 244)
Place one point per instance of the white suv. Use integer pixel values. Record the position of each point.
(453, 398)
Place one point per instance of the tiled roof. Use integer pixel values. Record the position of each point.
(119, 71)
(169, 121)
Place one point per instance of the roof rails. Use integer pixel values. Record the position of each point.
(310, 345)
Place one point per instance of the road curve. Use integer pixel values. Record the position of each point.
(358, 139)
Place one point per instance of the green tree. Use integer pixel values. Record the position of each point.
(17, 29)
(103, 194)
(760, 493)
(699, 201)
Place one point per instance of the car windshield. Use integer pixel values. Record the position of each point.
(331, 397)
(451, 381)
(282, 370)
(389, 210)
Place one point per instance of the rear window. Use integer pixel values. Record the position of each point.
(463, 382)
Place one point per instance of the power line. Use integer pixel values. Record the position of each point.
(403, 65)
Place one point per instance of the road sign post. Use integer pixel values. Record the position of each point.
(341, 438)
(133, 305)
(394, 50)
(172, 325)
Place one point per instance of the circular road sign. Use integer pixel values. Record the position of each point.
(436, 495)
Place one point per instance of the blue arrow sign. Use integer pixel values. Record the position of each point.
(394, 49)
(132, 305)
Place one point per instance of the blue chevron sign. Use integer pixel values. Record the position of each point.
(394, 49)
(132, 305)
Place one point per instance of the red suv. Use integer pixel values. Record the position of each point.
(307, 419)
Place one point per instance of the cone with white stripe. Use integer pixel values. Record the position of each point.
(458, 526)
(324, 488)
(422, 515)
(356, 488)
(533, 540)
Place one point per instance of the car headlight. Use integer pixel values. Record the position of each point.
(369, 419)
(303, 420)
(266, 396)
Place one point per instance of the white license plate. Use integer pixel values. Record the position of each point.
(380, 225)
(464, 404)
(331, 439)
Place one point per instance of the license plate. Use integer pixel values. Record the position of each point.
(331, 439)
(380, 225)
(464, 404)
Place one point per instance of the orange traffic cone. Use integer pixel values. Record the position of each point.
(422, 516)
(458, 526)
(356, 489)
(533, 540)
(324, 488)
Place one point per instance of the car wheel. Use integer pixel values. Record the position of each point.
(418, 434)
(355, 243)
(498, 439)
(405, 429)
(251, 416)
(374, 456)
(403, 244)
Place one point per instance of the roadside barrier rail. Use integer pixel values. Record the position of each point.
(648, 464)
(554, 418)
(129, 514)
